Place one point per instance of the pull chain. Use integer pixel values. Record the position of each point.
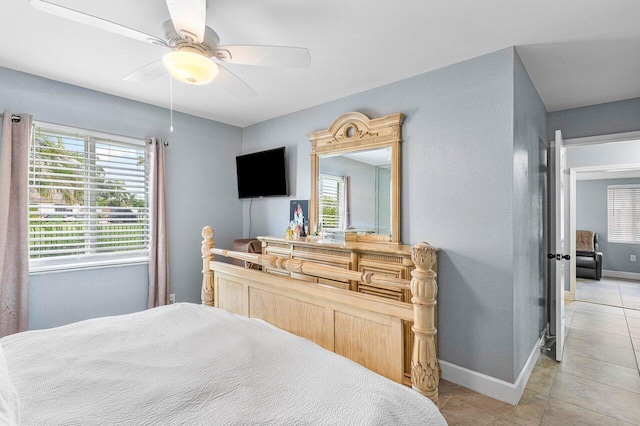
(171, 101)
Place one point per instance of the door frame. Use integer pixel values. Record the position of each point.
(574, 171)
(571, 201)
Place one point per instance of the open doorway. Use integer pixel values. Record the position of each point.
(606, 213)
(604, 178)
(601, 355)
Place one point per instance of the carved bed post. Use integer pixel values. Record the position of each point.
(425, 371)
(207, 273)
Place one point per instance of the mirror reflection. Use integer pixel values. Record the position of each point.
(354, 191)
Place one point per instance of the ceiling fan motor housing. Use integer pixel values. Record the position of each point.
(178, 42)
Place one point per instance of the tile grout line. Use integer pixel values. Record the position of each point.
(447, 400)
(555, 373)
(595, 381)
(602, 331)
(633, 348)
(593, 411)
(599, 360)
(585, 409)
(622, 303)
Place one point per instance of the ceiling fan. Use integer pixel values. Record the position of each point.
(196, 54)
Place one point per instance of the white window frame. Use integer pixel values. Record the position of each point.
(631, 222)
(92, 260)
(342, 217)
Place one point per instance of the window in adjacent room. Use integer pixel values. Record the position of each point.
(332, 201)
(623, 213)
(88, 199)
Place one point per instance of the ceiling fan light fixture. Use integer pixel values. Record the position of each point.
(190, 67)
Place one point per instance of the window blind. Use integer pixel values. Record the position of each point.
(623, 213)
(332, 203)
(88, 198)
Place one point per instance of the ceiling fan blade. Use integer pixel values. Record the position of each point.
(265, 56)
(188, 17)
(103, 24)
(233, 84)
(147, 73)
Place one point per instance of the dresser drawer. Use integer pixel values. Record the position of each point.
(345, 285)
(335, 258)
(380, 292)
(277, 251)
(338, 284)
(389, 270)
(276, 272)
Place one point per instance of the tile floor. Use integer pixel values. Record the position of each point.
(597, 383)
(609, 291)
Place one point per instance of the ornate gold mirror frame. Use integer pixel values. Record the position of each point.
(353, 132)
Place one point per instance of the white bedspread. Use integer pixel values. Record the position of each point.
(188, 364)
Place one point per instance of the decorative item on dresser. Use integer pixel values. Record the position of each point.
(365, 328)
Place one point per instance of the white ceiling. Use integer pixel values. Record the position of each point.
(578, 52)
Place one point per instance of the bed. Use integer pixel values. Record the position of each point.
(193, 364)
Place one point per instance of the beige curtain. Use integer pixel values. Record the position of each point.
(158, 250)
(14, 223)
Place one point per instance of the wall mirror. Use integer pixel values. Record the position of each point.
(355, 178)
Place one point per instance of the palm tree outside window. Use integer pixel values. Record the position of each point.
(88, 199)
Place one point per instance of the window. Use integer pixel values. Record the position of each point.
(88, 199)
(623, 213)
(332, 201)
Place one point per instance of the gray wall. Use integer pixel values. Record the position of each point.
(201, 191)
(530, 126)
(602, 119)
(457, 194)
(59, 298)
(591, 215)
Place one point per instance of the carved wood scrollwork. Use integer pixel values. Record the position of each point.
(355, 129)
(350, 132)
(425, 371)
(207, 292)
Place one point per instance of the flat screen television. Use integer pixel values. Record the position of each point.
(262, 174)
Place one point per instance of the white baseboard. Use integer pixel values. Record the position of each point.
(490, 386)
(621, 274)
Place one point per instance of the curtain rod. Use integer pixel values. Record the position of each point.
(14, 118)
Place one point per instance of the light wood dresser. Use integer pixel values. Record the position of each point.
(382, 259)
(387, 259)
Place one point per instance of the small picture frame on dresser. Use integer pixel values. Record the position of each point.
(299, 216)
(333, 236)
